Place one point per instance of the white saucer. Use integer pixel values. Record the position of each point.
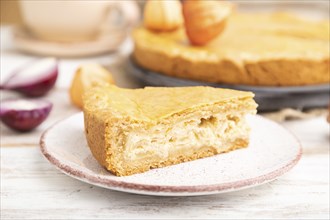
(272, 152)
(106, 42)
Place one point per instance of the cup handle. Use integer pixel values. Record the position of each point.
(121, 14)
(130, 11)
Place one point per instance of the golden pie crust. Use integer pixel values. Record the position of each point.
(133, 130)
(255, 49)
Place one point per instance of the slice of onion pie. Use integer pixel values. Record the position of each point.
(133, 130)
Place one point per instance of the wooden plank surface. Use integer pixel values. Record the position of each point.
(31, 188)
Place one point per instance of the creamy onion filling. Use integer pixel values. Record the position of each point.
(218, 131)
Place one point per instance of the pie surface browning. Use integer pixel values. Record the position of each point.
(255, 49)
(131, 131)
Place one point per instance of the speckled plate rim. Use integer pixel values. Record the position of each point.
(163, 190)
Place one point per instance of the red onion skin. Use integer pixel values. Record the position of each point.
(38, 89)
(25, 120)
(33, 89)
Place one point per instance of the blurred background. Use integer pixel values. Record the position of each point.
(112, 47)
(10, 13)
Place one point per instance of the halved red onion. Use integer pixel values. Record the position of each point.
(24, 114)
(34, 79)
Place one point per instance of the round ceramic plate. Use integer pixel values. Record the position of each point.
(108, 42)
(268, 98)
(271, 153)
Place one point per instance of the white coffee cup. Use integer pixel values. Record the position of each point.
(74, 20)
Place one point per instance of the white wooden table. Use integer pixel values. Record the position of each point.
(31, 188)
